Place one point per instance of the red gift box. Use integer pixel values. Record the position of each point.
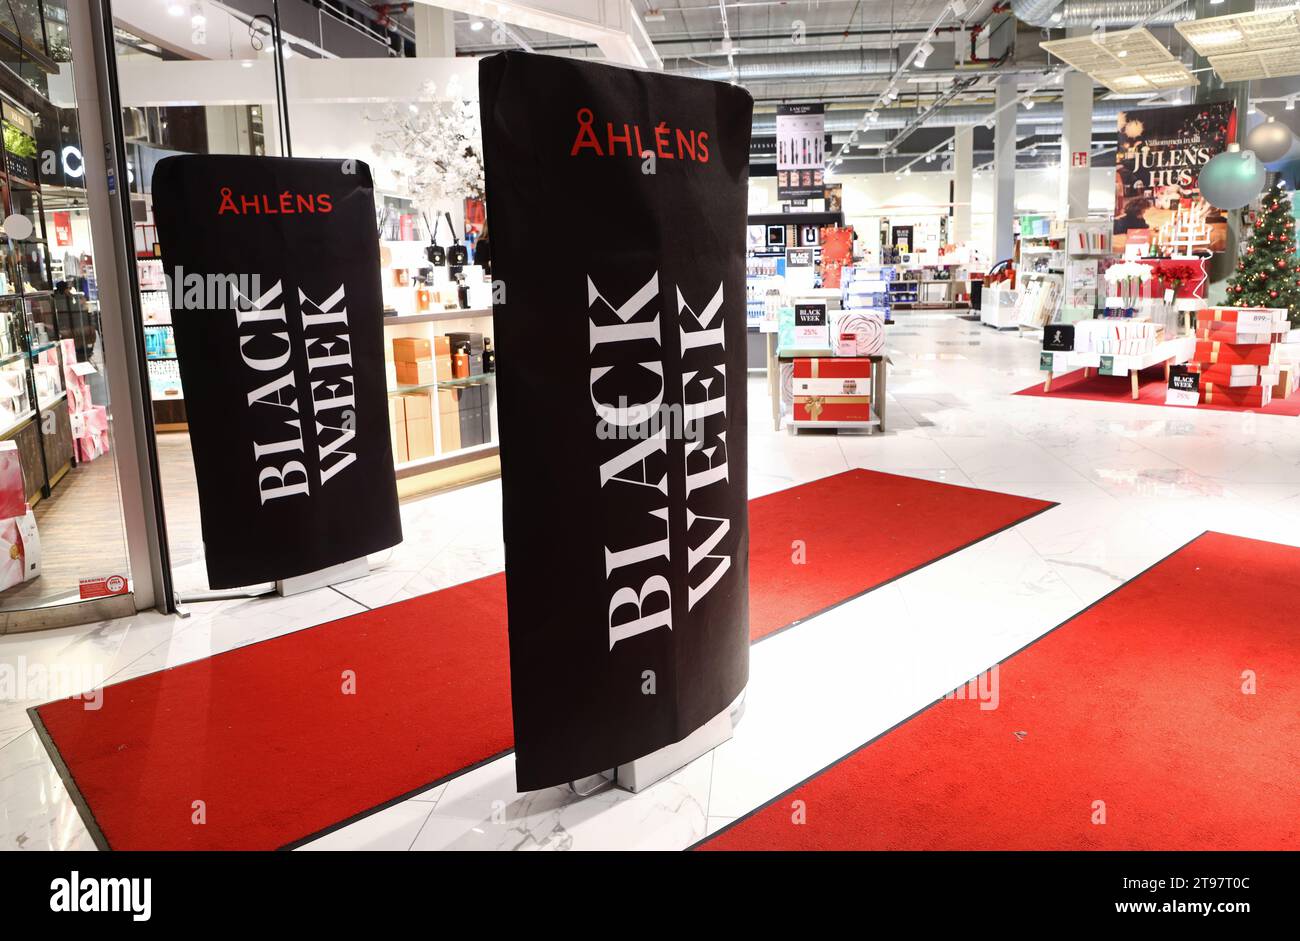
(1234, 377)
(1251, 397)
(832, 408)
(838, 367)
(1231, 314)
(1209, 352)
(1218, 332)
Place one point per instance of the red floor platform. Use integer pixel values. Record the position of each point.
(1151, 391)
(265, 738)
(1136, 711)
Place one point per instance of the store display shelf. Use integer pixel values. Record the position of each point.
(436, 316)
(445, 384)
(9, 358)
(450, 459)
(46, 404)
(17, 423)
(868, 426)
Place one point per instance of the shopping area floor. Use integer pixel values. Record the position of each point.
(1133, 484)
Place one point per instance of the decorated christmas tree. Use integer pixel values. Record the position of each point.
(1268, 273)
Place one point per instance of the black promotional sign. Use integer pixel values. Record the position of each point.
(1058, 337)
(273, 267)
(621, 400)
(1184, 387)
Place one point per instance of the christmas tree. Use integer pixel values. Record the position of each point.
(1268, 273)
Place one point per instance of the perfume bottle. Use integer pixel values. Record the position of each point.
(460, 362)
(422, 296)
(489, 356)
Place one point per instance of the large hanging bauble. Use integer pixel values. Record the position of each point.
(1273, 143)
(1232, 179)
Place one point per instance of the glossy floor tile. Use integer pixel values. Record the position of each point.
(1133, 484)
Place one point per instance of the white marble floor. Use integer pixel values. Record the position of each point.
(1133, 484)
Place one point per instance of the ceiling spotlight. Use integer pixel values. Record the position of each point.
(653, 16)
(175, 9)
(1029, 104)
(197, 18)
(1055, 17)
(958, 8)
(907, 171)
(1122, 54)
(853, 138)
(897, 178)
(246, 64)
(1290, 104)
(873, 116)
(476, 25)
(1252, 109)
(923, 52)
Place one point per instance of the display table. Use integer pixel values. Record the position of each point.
(775, 381)
(1168, 352)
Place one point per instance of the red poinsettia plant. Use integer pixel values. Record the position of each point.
(1175, 274)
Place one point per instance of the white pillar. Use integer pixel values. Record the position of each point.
(1004, 170)
(962, 169)
(1076, 139)
(435, 32)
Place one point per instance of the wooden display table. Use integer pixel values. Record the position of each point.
(1168, 352)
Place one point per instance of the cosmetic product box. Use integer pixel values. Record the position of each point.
(419, 425)
(397, 428)
(13, 496)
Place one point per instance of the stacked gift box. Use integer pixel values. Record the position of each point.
(832, 390)
(20, 544)
(89, 421)
(1236, 355)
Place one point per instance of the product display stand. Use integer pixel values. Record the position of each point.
(641, 773)
(323, 578)
(1168, 352)
(879, 375)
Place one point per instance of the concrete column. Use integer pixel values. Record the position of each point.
(1076, 138)
(435, 32)
(962, 170)
(1004, 170)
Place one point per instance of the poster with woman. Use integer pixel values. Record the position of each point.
(1158, 161)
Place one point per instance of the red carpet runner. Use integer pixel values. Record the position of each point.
(1151, 391)
(263, 736)
(1137, 702)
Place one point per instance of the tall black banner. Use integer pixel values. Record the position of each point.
(616, 203)
(273, 271)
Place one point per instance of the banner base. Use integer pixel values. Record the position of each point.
(640, 773)
(323, 578)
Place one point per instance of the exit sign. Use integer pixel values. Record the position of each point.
(1079, 158)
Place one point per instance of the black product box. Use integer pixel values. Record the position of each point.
(474, 343)
(472, 405)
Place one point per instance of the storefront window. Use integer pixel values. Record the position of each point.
(61, 531)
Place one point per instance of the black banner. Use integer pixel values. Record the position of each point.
(273, 267)
(616, 203)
